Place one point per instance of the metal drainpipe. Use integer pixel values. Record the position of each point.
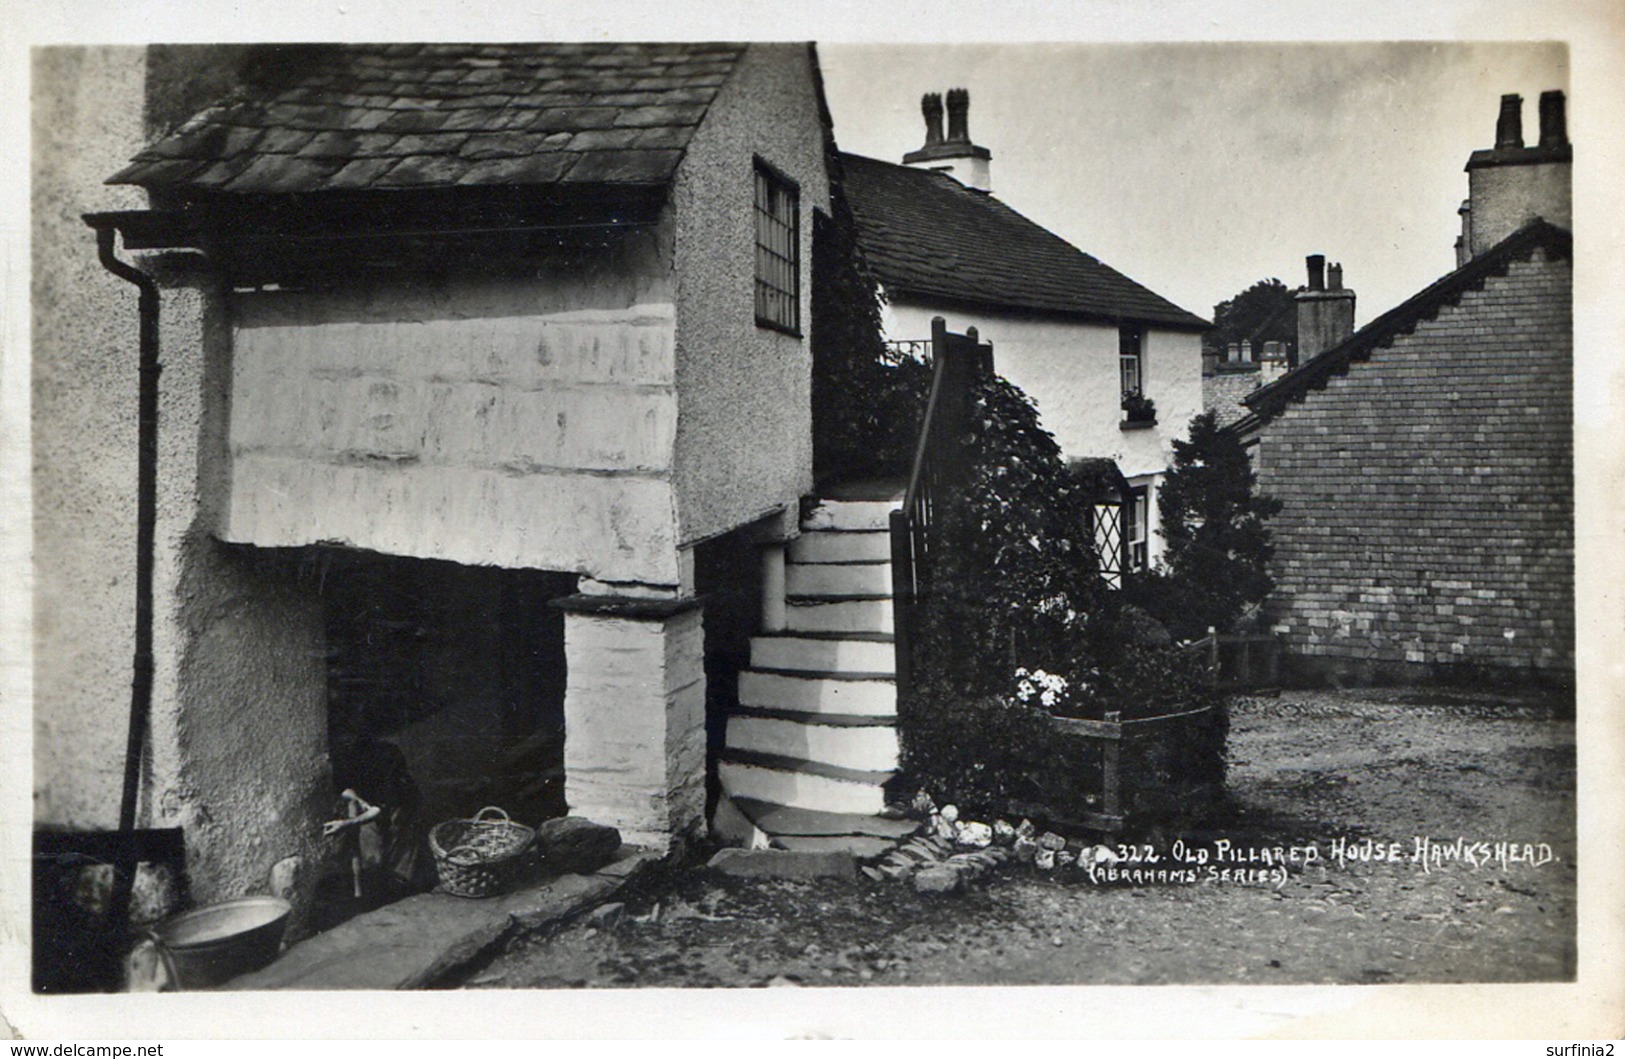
(146, 530)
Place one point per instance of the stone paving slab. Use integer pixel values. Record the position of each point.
(784, 863)
(790, 820)
(418, 942)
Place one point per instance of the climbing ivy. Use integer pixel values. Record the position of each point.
(866, 406)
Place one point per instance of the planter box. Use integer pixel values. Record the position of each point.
(1137, 772)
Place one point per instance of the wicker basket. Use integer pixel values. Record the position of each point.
(481, 857)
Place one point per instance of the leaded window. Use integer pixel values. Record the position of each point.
(778, 252)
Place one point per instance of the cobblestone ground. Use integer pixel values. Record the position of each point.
(1306, 770)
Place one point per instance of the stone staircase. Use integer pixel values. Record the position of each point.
(815, 737)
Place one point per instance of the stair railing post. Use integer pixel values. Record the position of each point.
(902, 594)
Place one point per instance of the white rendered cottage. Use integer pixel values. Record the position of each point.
(1074, 334)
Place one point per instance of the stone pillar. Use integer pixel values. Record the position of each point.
(634, 715)
(238, 738)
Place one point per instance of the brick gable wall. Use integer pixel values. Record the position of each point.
(1427, 520)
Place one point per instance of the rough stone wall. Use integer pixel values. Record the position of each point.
(744, 430)
(519, 421)
(1427, 525)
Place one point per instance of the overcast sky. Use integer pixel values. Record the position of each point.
(1198, 169)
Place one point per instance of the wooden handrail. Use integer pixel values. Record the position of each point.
(922, 446)
(958, 361)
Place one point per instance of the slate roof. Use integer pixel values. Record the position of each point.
(369, 117)
(926, 234)
(1224, 394)
(1267, 401)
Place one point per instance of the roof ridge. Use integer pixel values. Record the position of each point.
(1268, 401)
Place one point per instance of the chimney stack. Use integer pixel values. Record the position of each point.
(1317, 271)
(1511, 185)
(1273, 364)
(953, 154)
(1554, 130)
(1509, 126)
(1464, 241)
(958, 115)
(1325, 311)
(931, 107)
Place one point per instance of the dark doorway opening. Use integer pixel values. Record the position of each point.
(728, 574)
(445, 695)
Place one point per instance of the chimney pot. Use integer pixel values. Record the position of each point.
(958, 115)
(1509, 126)
(1334, 276)
(931, 107)
(1554, 131)
(1317, 271)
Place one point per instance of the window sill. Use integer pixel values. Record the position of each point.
(769, 325)
(1136, 424)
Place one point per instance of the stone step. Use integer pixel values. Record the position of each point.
(845, 615)
(867, 489)
(863, 747)
(823, 653)
(850, 515)
(838, 579)
(862, 847)
(814, 694)
(789, 820)
(830, 546)
(766, 778)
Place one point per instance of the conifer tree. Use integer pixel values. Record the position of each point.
(1214, 523)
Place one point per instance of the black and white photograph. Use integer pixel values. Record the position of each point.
(809, 520)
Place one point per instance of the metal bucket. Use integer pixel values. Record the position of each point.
(216, 943)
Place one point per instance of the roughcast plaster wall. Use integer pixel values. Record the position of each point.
(744, 429)
(237, 746)
(87, 122)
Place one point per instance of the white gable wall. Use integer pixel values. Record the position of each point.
(1070, 370)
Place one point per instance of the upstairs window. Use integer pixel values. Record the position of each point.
(778, 252)
(1136, 530)
(1130, 359)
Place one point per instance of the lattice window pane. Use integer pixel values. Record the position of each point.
(1108, 519)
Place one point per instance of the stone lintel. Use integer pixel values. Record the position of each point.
(639, 608)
